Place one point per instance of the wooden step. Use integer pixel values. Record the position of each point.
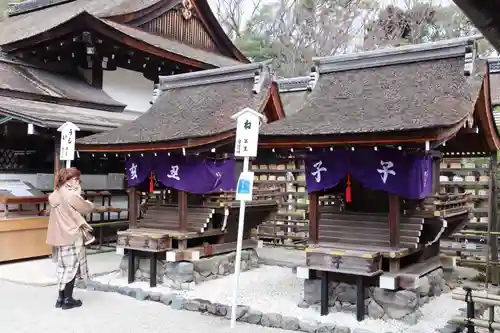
(367, 224)
(367, 230)
(171, 226)
(378, 237)
(370, 218)
(158, 216)
(353, 239)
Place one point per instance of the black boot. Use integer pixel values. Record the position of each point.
(60, 299)
(69, 302)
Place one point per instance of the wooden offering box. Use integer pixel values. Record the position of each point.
(23, 231)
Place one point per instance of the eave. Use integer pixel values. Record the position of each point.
(204, 13)
(86, 20)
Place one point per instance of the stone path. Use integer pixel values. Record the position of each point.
(31, 309)
(42, 272)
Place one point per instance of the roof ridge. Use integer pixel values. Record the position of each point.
(259, 71)
(26, 6)
(289, 84)
(449, 48)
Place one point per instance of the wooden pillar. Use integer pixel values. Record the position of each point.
(182, 211)
(492, 217)
(57, 161)
(97, 71)
(132, 207)
(436, 171)
(394, 219)
(313, 217)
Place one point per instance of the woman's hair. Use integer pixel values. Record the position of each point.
(66, 174)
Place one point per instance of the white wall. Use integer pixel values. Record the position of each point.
(128, 87)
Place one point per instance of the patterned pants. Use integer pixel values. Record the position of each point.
(71, 263)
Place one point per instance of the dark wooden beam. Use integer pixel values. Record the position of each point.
(183, 218)
(493, 223)
(394, 228)
(313, 217)
(436, 171)
(132, 207)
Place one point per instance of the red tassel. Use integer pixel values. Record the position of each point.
(151, 183)
(348, 189)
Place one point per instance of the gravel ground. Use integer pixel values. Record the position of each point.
(28, 309)
(277, 289)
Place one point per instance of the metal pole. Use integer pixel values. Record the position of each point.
(241, 222)
(68, 164)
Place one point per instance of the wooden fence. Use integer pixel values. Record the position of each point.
(477, 302)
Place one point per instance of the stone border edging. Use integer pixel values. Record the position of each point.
(244, 313)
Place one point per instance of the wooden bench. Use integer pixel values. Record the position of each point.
(357, 263)
(147, 241)
(366, 229)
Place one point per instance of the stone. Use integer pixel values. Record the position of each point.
(231, 268)
(375, 311)
(396, 312)
(436, 290)
(423, 300)
(361, 330)
(203, 304)
(206, 265)
(446, 289)
(252, 317)
(154, 296)
(131, 292)
(80, 284)
(412, 318)
(342, 329)
(123, 290)
(141, 295)
(325, 328)
(192, 305)
(167, 298)
(290, 323)
(271, 320)
(222, 310)
(424, 286)
(223, 269)
(406, 299)
(303, 305)
(180, 271)
(346, 293)
(188, 285)
(312, 291)
(198, 278)
(241, 310)
(308, 327)
(212, 308)
(244, 266)
(177, 303)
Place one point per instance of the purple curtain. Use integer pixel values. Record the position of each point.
(138, 169)
(224, 171)
(326, 170)
(192, 174)
(384, 169)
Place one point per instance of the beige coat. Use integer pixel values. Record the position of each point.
(65, 219)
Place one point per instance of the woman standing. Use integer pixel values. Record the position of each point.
(65, 232)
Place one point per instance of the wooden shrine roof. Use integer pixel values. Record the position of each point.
(193, 109)
(41, 23)
(21, 80)
(401, 89)
(51, 115)
(173, 46)
(484, 15)
(293, 92)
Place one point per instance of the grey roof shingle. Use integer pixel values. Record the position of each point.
(52, 115)
(19, 77)
(27, 25)
(194, 105)
(405, 88)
